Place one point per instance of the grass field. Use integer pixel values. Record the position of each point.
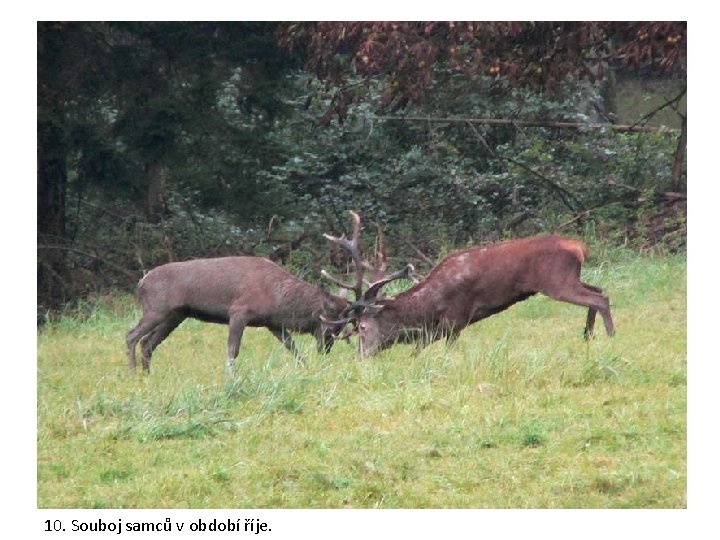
(520, 413)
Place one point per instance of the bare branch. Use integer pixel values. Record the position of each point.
(577, 217)
(535, 123)
(673, 102)
(379, 268)
(124, 271)
(562, 193)
(422, 256)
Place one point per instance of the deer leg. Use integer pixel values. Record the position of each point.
(147, 323)
(589, 296)
(590, 324)
(592, 312)
(150, 342)
(325, 340)
(607, 317)
(286, 339)
(593, 288)
(237, 327)
(452, 336)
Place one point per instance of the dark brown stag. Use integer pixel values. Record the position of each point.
(470, 285)
(237, 291)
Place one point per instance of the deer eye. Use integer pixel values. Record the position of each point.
(362, 327)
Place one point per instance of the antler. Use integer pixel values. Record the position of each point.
(353, 247)
(374, 289)
(367, 302)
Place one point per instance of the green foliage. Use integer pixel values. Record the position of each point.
(201, 139)
(433, 184)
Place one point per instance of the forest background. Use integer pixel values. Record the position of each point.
(161, 141)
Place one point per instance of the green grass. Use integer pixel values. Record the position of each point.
(520, 413)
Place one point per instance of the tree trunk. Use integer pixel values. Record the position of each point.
(51, 193)
(679, 157)
(155, 202)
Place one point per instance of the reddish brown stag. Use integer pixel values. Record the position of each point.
(237, 291)
(470, 285)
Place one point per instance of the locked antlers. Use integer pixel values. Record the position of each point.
(367, 300)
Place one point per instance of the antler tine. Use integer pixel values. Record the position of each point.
(374, 289)
(352, 246)
(342, 321)
(327, 275)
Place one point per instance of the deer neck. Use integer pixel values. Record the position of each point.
(410, 314)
